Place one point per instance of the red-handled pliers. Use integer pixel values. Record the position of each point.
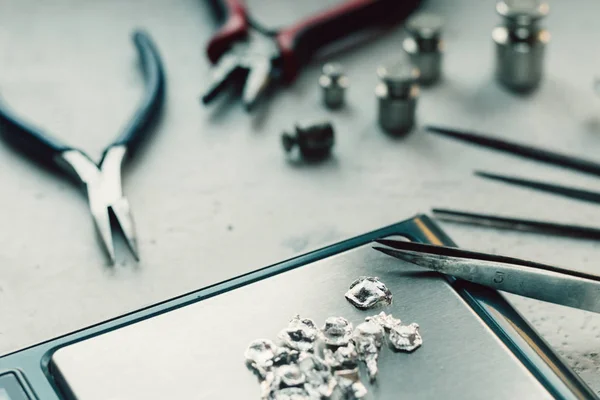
(243, 50)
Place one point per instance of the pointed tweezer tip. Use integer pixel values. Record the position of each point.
(387, 242)
(112, 260)
(206, 98)
(384, 250)
(401, 255)
(250, 103)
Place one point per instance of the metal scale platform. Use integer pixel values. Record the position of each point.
(475, 344)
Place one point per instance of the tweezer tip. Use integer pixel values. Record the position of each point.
(384, 250)
(385, 242)
(249, 105)
(206, 98)
(134, 252)
(112, 260)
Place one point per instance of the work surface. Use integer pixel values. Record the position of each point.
(212, 193)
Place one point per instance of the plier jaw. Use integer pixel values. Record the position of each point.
(242, 48)
(105, 195)
(252, 60)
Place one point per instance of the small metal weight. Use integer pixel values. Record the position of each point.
(397, 97)
(424, 46)
(314, 141)
(520, 43)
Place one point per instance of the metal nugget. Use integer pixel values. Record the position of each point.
(371, 330)
(336, 331)
(334, 83)
(259, 356)
(291, 375)
(520, 43)
(343, 358)
(268, 385)
(368, 292)
(319, 378)
(285, 355)
(405, 337)
(368, 338)
(387, 321)
(349, 385)
(424, 46)
(300, 334)
(291, 393)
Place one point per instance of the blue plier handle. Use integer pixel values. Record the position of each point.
(102, 180)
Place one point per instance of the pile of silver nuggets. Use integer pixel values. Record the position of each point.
(309, 363)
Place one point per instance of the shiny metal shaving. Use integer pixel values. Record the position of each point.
(368, 338)
(293, 393)
(259, 356)
(405, 337)
(319, 378)
(349, 385)
(343, 358)
(290, 375)
(300, 334)
(337, 331)
(368, 292)
(387, 321)
(370, 330)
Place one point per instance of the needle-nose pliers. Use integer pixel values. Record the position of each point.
(242, 49)
(102, 181)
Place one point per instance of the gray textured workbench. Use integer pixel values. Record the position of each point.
(212, 194)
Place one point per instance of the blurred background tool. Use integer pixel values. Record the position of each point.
(243, 50)
(516, 224)
(530, 152)
(314, 141)
(526, 278)
(102, 181)
(334, 83)
(397, 95)
(425, 46)
(570, 192)
(520, 43)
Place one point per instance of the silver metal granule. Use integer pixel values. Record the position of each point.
(405, 337)
(387, 321)
(300, 334)
(285, 355)
(343, 358)
(292, 393)
(349, 385)
(368, 338)
(291, 375)
(369, 329)
(336, 331)
(368, 292)
(319, 378)
(259, 356)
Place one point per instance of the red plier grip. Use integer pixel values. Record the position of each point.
(235, 27)
(299, 42)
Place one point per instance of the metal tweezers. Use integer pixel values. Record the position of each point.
(532, 153)
(526, 278)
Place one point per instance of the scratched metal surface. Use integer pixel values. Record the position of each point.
(212, 194)
(197, 351)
